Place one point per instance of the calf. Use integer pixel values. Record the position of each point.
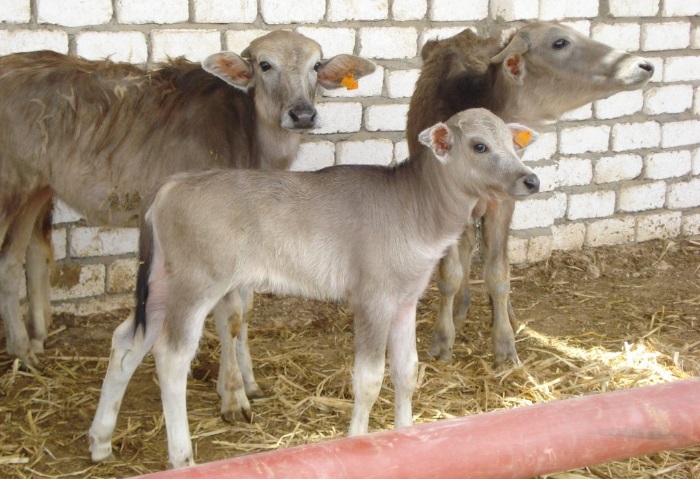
(537, 74)
(370, 235)
(101, 136)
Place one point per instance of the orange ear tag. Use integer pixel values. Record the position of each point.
(349, 82)
(523, 138)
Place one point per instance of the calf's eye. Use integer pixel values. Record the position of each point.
(317, 66)
(264, 66)
(559, 44)
(480, 148)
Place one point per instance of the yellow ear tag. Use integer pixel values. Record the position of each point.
(349, 82)
(523, 138)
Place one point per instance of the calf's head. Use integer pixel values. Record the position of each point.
(480, 151)
(282, 70)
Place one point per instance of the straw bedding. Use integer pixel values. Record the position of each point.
(594, 320)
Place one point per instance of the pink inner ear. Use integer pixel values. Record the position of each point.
(233, 69)
(513, 64)
(441, 140)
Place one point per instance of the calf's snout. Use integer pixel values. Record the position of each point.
(303, 116)
(532, 183)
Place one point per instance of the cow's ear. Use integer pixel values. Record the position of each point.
(522, 136)
(231, 68)
(511, 57)
(343, 70)
(514, 68)
(439, 139)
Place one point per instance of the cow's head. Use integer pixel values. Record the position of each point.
(282, 68)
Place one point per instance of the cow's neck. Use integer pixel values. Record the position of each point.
(515, 103)
(277, 146)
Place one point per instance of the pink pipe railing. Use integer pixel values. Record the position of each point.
(512, 444)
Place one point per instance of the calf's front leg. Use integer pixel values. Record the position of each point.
(403, 362)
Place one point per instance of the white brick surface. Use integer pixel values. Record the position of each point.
(642, 197)
(658, 63)
(15, 11)
(574, 172)
(665, 36)
(403, 10)
(620, 104)
(62, 213)
(610, 232)
(388, 42)
(238, 40)
(583, 112)
(690, 225)
(401, 83)
(368, 152)
(659, 226)
(370, 85)
(631, 136)
(510, 10)
(292, 11)
(682, 69)
(121, 275)
(195, 45)
(77, 281)
(447, 11)
(74, 13)
(668, 99)
(94, 241)
(342, 10)
(539, 248)
(695, 38)
(568, 237)
(333, 41)
(400, 151)
(386, 117)
(617, 168)
(14, 41)
(680, 133)
(624, 36)
(543, 149)
(225, 11)
(314, 155)
(152, 11)
(548, 177)
(695, 168)
(684, 195)
(681, 8)
(633, 8)
(559, 10)
(517, 250)
(581, 26)
(59, 243)
(667, 164)
(597, 204)
(338, 117)
(581, 139)
(116, 46)
(537, 213)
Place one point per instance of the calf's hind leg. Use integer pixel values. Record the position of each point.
(38, 266)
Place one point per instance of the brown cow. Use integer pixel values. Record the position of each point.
(540, 72)
(101, 135)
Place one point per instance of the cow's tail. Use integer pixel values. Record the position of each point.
(144, 273)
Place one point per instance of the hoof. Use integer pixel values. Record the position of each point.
(441, 352)
(37, 346)
(237, 416)
(100, 452)
(255, 393)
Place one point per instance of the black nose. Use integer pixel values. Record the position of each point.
(532, 182)
(303, 116)
(647, 66)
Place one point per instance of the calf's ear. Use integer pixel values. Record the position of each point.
(343, 70)
(439, 139)
(231, 68)
(522, 136)
(511, 57)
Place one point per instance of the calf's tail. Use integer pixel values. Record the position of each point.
(144, 272)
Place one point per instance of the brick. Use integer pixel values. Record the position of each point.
(581, 26)
(62, 213)
(633, 8)
(72, 281)
(517, 250)
(400, 151)
(558, 10)
(642, 197)
(695, 168)
(403, 10)
(386, 117)
(336, 117)
(59, 243)
(583, 112)
(128, 47)
(510, 10)
(659, 226)
(537, 213)
(610, 232)
(314, 155)
(620, 104)
(582, 139)
(74, 13)
(597, 204)
(568, 237)
(292, 11)
(631, 136)
(368, 152)
(96, 241)
(667, 164)
(121, 275)
(668, 99)
(681, 8)
(680, 133)
(682, 69)
(92, 306)
(625, 36)
(388, 42)
(696, 103)
(15, 11)
(574, 172)
(14, 41)
(690, 224)
(617, 168)
(539, 248)
(223, 11)
(152, 11)
(684, 195)
(445, 11)
(333, 41)
(543, 149)
(370, 85)
(195, 45)
(401, 83)
(238, 40)
(342, 10)
(665, 36)
(695, 38)
(548, 177)
(658, 75)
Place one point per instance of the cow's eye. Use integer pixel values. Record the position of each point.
(480, 148)
(559, 44)
(317, 66)
(264, 66)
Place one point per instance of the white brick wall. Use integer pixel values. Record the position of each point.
(682, 69)
(74, 13)
(152, 11)
(388, 42)
(368, 152)
(632, 136)
(642, 197)
(625, 36)
(94, 241)
(667, 164)
(386, 117)
(13, 41)
(633, 8)
(558, 10)
(574, 172)
(195, 45)
(665, 36)
(582, 139)
(684, 195)
(444, 10)
(343, 10)
(668, 99)
(659, 226)
(403, 10)
(681, 7)
(314, 155)
(510, 10)
(225, 11)
(591, 205)
(610, 232)
(336, 117)
(617, 168)
(277, 12)
(680, 133)
(129, 47)
(15, 11)
(401, 83)
(622, 104)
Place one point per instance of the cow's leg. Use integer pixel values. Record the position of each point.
(463, 298)
(372, 323)
(245, 362)
(403, 362)
(229, 385)
(38, 267)
(128, 350)
(449, 280)
(496, 225)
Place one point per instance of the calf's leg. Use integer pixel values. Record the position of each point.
(245, 362)
(38, 265)
(449, 279)
(403, 361)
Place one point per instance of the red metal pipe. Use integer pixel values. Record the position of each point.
(513, 444)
